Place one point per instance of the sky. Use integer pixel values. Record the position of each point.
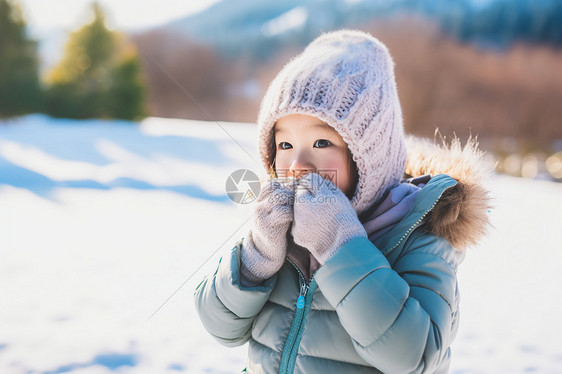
(122, 14)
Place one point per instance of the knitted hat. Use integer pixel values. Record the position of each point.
(346, 79)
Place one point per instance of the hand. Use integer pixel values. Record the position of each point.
(265, 247)
(324, 218)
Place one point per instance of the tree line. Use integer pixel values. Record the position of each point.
(99, 75)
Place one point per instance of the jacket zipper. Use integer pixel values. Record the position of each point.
(412, 228)
(291, 347)
(417, 223)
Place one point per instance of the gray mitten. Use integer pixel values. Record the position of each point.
(324, 218)
(265, 247)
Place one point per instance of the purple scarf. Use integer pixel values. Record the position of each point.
(397, 203)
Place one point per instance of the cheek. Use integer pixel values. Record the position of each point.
(282, 164)
(337, 169)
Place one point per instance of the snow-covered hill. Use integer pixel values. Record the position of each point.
(106, 228)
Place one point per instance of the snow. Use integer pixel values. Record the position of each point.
(108, 227)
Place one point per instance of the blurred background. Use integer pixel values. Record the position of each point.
(486, 68)
(122, 120)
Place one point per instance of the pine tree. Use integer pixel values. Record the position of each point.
(80, 79)
(126, 96)
(20, 91)
(85, 82)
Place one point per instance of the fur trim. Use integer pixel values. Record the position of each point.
(461, 214)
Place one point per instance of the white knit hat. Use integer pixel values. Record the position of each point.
(345, 78)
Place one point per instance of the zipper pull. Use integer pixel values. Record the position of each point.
(300, 300)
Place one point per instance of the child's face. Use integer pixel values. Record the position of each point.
(305, 144)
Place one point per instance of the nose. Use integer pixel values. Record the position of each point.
(300, 167)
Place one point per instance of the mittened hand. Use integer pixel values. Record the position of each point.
(265, 247)
(324, 218)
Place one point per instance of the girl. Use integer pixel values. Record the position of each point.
(347, 269)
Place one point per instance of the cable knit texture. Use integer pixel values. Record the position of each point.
(345, 78)
(265, 246)
(335, 221)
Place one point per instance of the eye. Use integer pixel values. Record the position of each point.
(322, 143)
(284, 145)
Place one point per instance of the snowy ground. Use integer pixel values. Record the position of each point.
(101, 222)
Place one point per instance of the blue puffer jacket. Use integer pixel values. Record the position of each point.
(386, 306)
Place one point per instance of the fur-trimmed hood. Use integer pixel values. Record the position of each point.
(461, 214)
(454, 207)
